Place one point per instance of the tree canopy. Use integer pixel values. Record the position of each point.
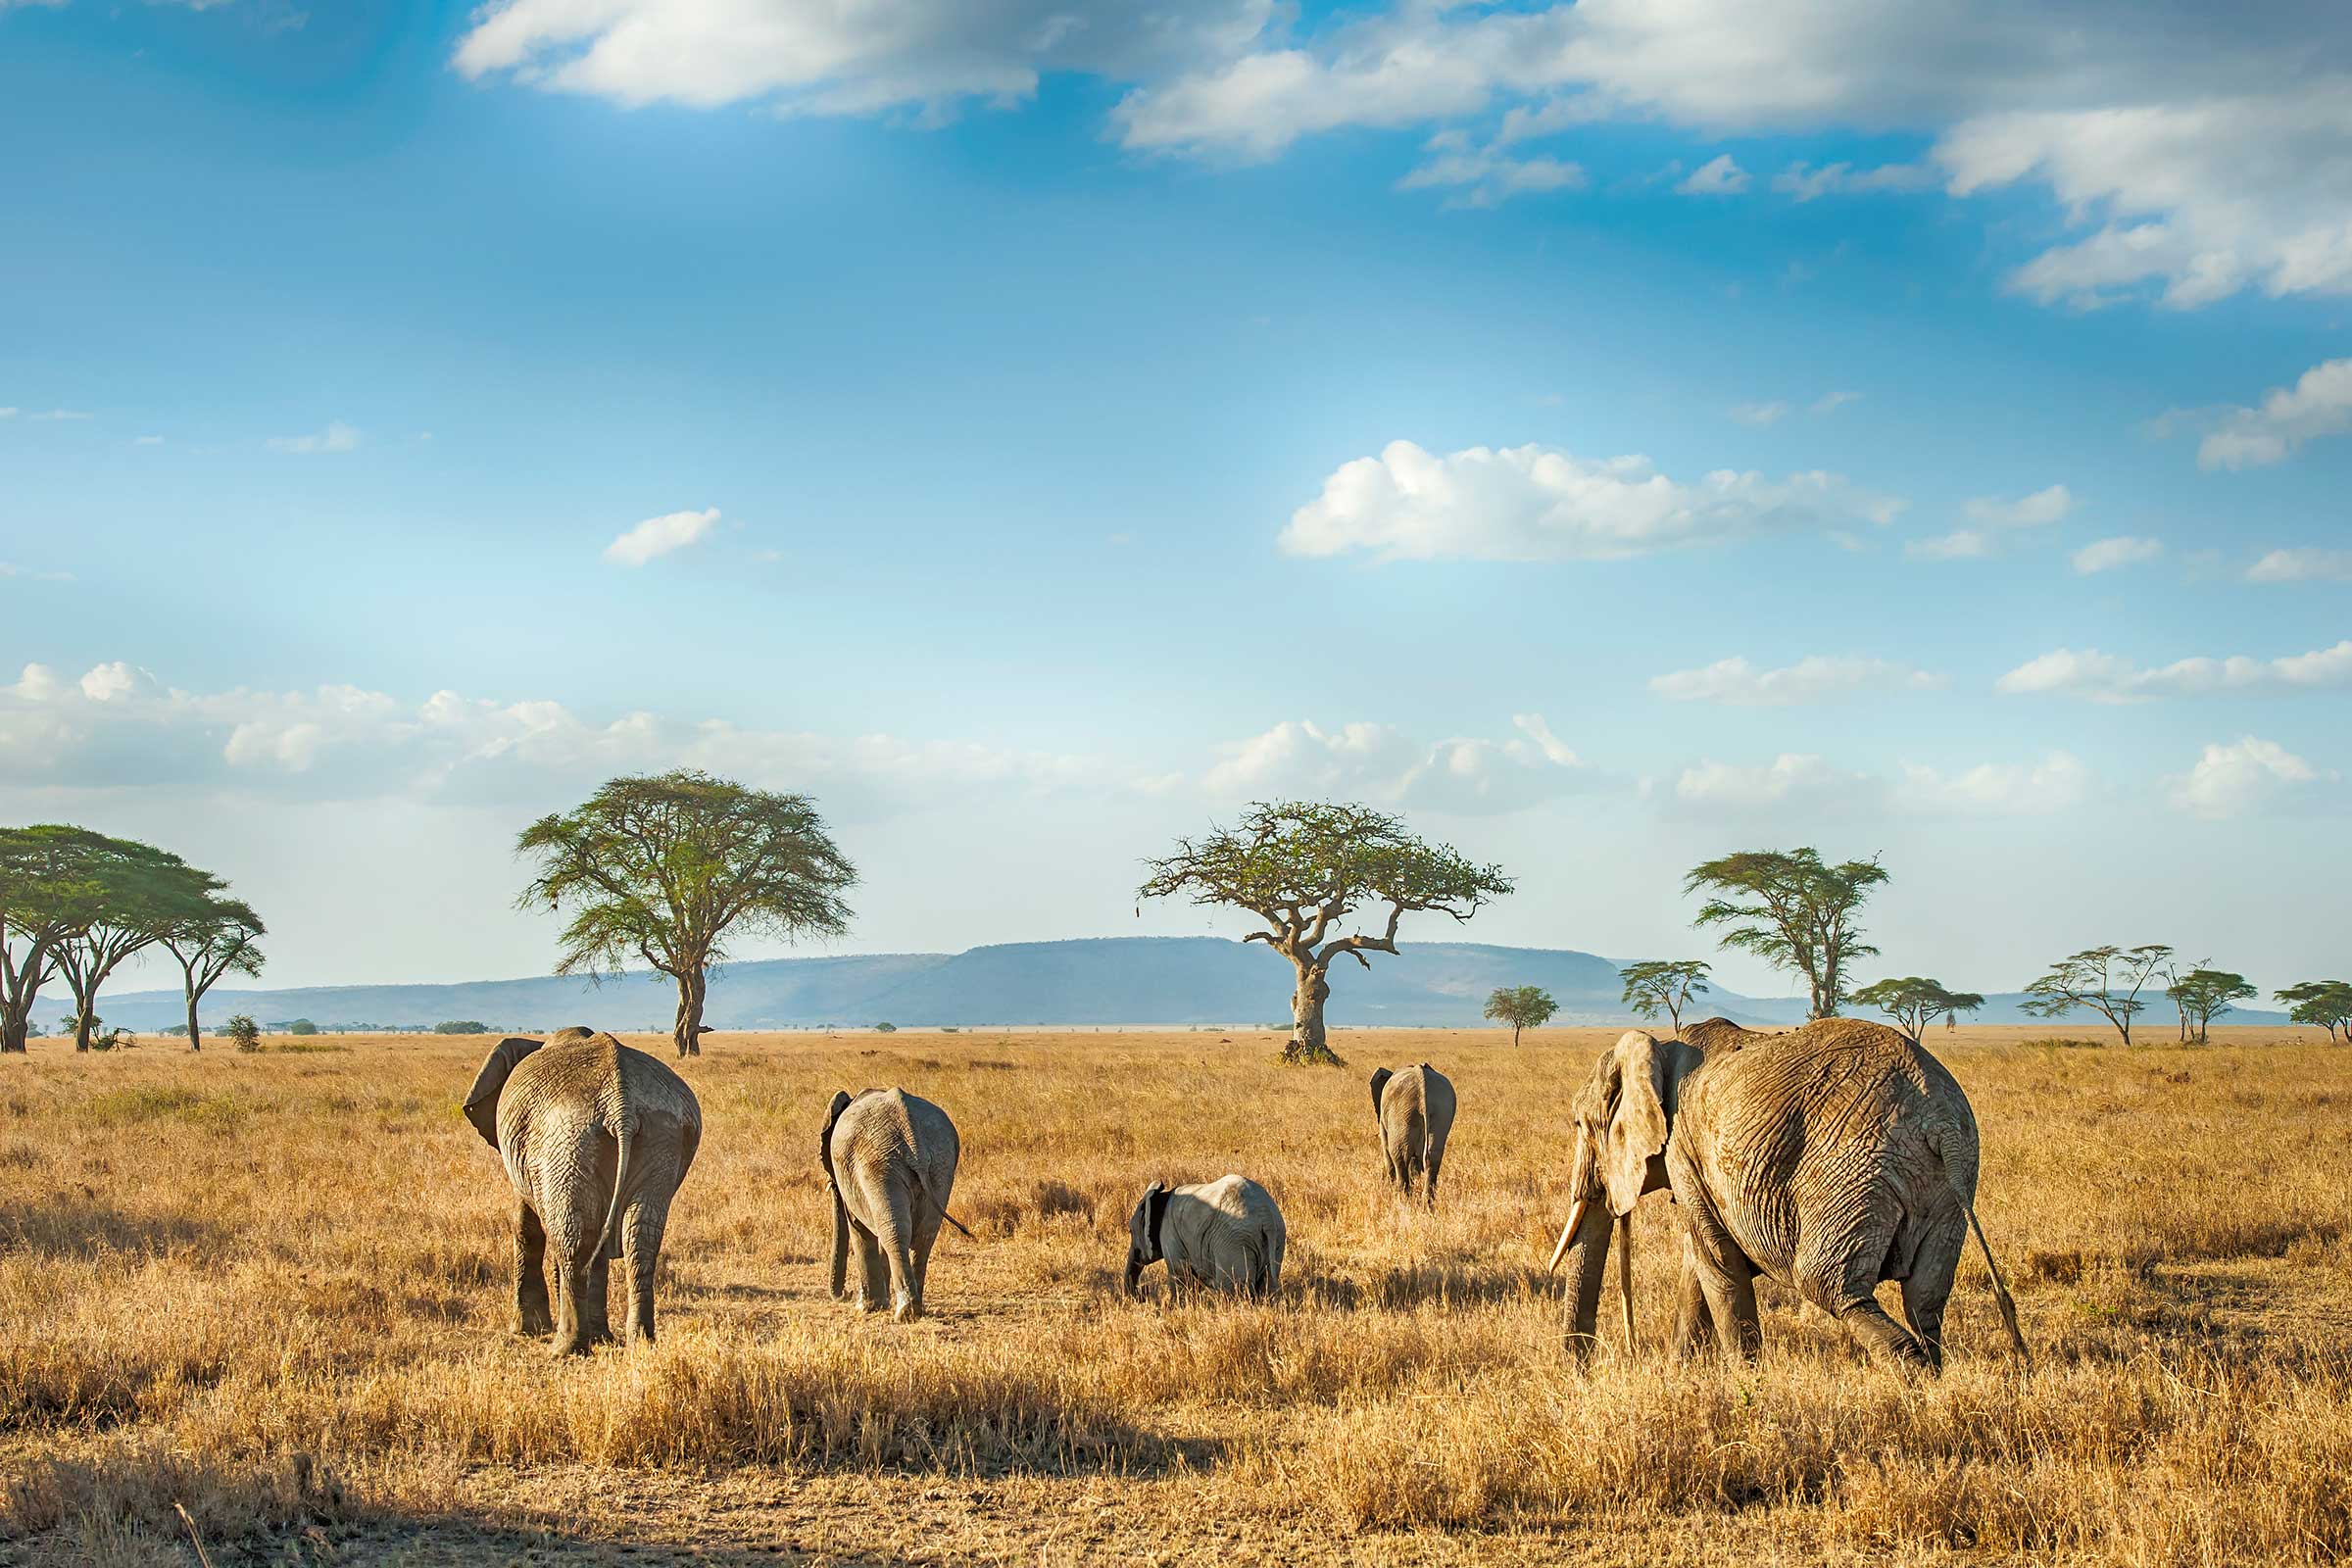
(225, 937)
(1304, 866)
(1914, 1001)
(672, 867)
(1663, 985)
(1793, 910)
(2107, 980)
(2325, 1004)
(1521, 1006)
(2203, 995)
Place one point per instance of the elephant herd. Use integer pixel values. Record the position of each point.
(1830, 1158)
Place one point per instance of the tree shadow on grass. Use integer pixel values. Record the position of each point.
(79, 1225)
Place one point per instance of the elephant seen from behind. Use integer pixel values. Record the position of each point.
(596, 1137)
(1225, 1234)
(1415, 1108)
(1829, 1159)
(890, 1157)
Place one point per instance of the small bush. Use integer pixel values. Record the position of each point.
(461, 1026)
(243, 1032)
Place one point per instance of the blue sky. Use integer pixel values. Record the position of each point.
(1611, 435)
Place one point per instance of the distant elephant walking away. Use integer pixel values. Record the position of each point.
(596, 1137)
(1224, 1235)
(1829, 1159)
(1415, 1107)
(891, 1159)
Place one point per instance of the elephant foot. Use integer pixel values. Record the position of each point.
(529, 1328)
(576, 1345)
(870, 1304)
(909, 1310)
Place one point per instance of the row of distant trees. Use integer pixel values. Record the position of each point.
(75, 905)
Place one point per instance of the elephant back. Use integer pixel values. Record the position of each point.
(1437, 1099)
(888, 1123)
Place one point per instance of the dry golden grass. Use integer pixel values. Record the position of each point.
(272, 1287)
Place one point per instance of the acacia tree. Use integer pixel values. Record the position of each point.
(1521, 1006)
(2106, 980)
(1793, 911)
(2324, 1003)
(124, 897)
(2203, 995)
(1914, 1003)
(1302, 867)
(40, 899)
(670, 868)
(225, 937)
(1663, 985)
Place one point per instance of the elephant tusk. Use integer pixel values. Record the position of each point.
(1576, 1218)
(1625, 1274)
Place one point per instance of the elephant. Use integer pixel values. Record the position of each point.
(596, 1137)
(1415, 1108)
(890, 1157)
(1829, 1159)
(1225, 1234)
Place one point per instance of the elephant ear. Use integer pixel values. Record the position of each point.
(1639, 1126)
(1156, 1217)
(1380, 1084)
(824, 1142)
(481, 1101)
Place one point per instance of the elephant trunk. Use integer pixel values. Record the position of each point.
(1134, 1282)
(1587, 1255)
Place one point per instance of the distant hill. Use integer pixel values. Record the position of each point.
(1112, 980)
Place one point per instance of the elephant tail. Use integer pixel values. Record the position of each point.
(2000, 1287)
(608, 1246)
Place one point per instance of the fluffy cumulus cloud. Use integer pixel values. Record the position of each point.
(2106, 555)
(659, 536)
(2110, 678)
(2246, 776)
(1805, 784)
(1535, 503)
(1378, 763)
(117, 725)
(2318, 404)
(2302, 566)
(841, 59)
(1719, 175)
(1738, 683)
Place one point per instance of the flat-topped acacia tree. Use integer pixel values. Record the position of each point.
(667, 869)
(1302, 867)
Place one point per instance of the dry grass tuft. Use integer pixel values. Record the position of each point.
(272, 1287)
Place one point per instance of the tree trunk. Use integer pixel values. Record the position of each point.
(82, 1024)
(1308, 1047)
(11, 1030)
(692, 988)
(1514, 1034)
(195, 1040)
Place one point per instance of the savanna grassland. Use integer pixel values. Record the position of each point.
(274, 1288)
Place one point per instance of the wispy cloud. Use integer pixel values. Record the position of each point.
(336, 437)
(1377, 761)
(2037, 511)
(2105, 555)
(2302, 566)
(1735, 682)
(2109, 678)
(1717, 176)
(659, 536)
(2317, 404)
(1808, 183)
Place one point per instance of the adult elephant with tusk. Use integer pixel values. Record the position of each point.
(1829, 1159)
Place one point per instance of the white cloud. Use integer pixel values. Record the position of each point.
(2247, 775)
(659, 536)
(61, 416)
(1717, 176)
(1486, 176)
(1790, 779)
(1738, 683)
(2105, 555)
(2109, 678)
(1759, 414)
(1378, 763)
(2318, 404)
(2038, 510)
(1832, 402)
(1808, 183)
(336, 437)
(1996, 789)
(840, 59)
(1961, 543)
(147, 441)
(7, 413)
(2302, 566)
(1805, 784)
(1535, 503)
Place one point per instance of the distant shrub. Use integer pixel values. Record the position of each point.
(243, 1032)
(302, 1026)
(461, 1026)
(2057, 1043)
(948, 1029)
(305, 1047)
(886, 1028)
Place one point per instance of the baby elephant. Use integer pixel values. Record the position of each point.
(1415, 1108)
(1224, 1235)
(596, 1137)
(891, 1159)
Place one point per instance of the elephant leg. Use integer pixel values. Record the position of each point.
(573, 1333)
(1694, 1323)
(596, 1315)
(1727, 1280)
(926, 1236)
(532, 1315)
(641, 1244)
(1877, 1332)
(1929, 1283)
(1437, 1158)
(897, 1238)
(873, 1273)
